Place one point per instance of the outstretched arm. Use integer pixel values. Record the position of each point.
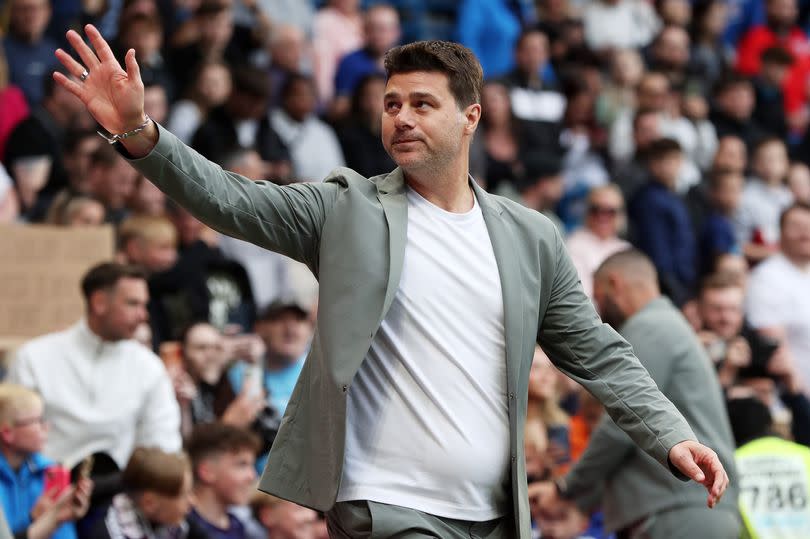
(284, 219)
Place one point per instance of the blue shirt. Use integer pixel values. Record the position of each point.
(490, 29)
(717, 236)
(663, 230)
(236, 530)
(351, 70)
(20, 490)
(29, 64)
(278, 384)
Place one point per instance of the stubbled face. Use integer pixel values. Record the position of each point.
(204, 353)
(771, 162)
(121, 309)
(422, 126)
(722, 311)
(286, 336)
(796, 235)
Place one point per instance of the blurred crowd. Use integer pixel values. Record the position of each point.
(678, 127)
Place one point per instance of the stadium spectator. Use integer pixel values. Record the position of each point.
(289, 55)
(337, 31)
(104, 392)
(285, 520)
(708, 52)
(769, 110)
(25, 488)
(490, 29)
(619, 24)
(359, 136)
(540, 187)
(661, 224)
(156, 499)
(591, 244)
(669, 54)
(778, 290)
(619, 93)
(313, 146)
(732, 114)
(717, 234)
(209, 89)
(146, 199)
(111, 181)
(382, 31)
(764, 198)
(144, 33)
(29, 51)
(13, 106)
(79, 210)
(222, 460)
(798, 181)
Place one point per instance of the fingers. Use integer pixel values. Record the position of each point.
(88, 57)
(103, 50)
(74, 68)
(69, 85)
(686, 463)
(133, 70)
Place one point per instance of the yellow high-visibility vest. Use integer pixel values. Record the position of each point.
(774, 489)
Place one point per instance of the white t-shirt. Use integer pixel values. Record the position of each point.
(779, 295)
(428, 424)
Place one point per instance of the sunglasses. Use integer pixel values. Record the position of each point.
(607, 211)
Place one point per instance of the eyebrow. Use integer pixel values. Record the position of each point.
(412, 95)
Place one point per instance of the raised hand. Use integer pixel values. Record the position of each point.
(702, 465)
(113, 96)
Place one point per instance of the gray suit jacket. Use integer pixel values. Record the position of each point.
(351, 232)
(634, 484)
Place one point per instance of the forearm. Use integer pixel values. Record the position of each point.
(143, 143)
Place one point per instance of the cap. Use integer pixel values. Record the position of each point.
(279, 307)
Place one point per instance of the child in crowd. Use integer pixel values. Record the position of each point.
(28, 489)
(764, 198)
(222, 459)
(660, 221)
(155, 501)
(148, 241)
(717, 235)
(285, 520)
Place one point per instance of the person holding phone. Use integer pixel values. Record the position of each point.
(36, 494)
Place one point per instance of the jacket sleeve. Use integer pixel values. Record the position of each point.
(597, 357)
(286, 219)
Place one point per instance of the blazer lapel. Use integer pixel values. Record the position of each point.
(391, 194)
(506, 253)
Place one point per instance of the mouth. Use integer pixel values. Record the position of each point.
(405, 141)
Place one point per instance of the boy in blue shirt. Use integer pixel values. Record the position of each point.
(23, 468)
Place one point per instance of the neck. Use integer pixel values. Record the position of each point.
(639, 297)
(447, 187)
(273, 362)
(14, 458)
(95, 327)
(210, 507)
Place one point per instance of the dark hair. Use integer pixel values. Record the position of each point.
(151, 469)
(357, 95)
(251, 81)
(213, 439)
(776, 55)
(729, 81)
(104, 156)
(288, 88)
(528, 31)
(717, 175)
(750, 419)
(661, 148)
(106, 275)
(642, 112)
(463, 70)
(75, 136)
(796, 206)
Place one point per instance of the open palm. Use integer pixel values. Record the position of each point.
(113, 96)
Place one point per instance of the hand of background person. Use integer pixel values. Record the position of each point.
(702, 465)
(738, 353)
(245, 407)
(185, 390)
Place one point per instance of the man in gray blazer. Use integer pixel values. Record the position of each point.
(408, 416)
(639, 497)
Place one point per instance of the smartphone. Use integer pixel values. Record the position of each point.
(558, 435)
(57, 479)
(86, 467)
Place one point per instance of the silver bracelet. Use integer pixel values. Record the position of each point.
(112, 139)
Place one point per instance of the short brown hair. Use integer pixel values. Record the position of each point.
(214, 439)
(796, 206)
(151, 469)
(719, 281)
(465, 76)
(106, 275)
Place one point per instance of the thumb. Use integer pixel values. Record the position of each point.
(133, 70)
(686, 463)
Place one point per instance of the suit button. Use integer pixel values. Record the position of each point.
(511, 396)
(345, 388)
(514, 458)
(383, 192)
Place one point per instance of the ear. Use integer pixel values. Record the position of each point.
(472, 115)
(99, 301)
(148, 502)
(206, 472)
(6, 435)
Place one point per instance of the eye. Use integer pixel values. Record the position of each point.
(392, 106)
(422, 104)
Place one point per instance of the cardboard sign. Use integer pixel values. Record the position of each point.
(41, 268)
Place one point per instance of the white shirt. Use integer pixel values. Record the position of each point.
(628, 24)
(99, 396)
(760, 208)
(428, 423)
(588, 251)
(313, 145)
(779, 296)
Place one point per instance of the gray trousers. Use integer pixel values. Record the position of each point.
(372, 520)
(689, 523)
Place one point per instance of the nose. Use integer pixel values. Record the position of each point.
(404, 118)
